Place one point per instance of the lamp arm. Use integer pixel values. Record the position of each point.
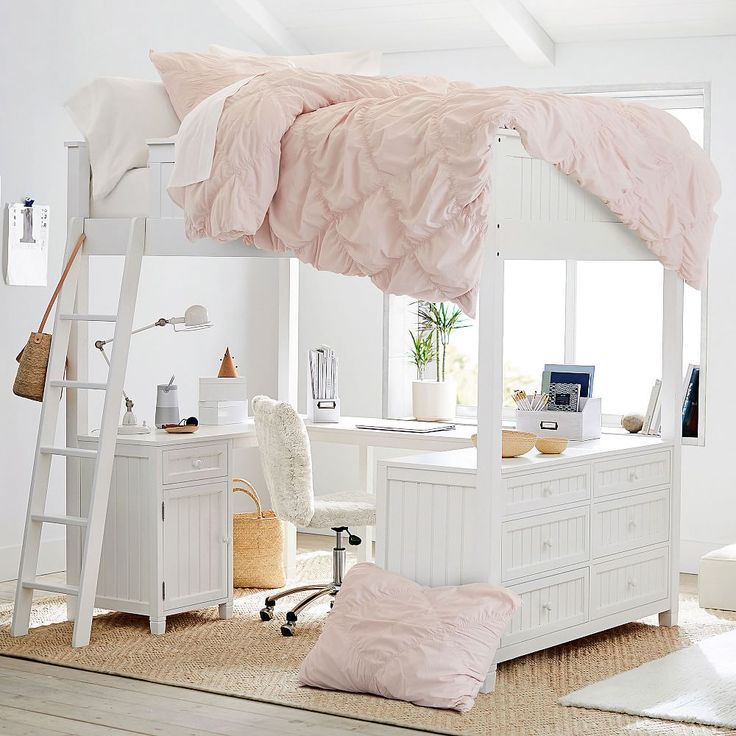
(162, 322)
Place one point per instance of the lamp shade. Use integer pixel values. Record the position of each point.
(195, 318)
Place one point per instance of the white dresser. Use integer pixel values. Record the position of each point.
(583, 538)
(167, 544)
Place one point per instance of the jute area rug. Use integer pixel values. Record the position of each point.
(246, 658)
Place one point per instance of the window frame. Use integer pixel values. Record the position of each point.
(665, 96)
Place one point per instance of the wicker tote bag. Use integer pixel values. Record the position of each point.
(258, 544)
(34, 358)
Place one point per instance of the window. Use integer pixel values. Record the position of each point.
(604, 313)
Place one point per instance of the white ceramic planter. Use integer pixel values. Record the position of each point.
(434, 401)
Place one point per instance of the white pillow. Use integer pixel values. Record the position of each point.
(116, 116)
(364, 63)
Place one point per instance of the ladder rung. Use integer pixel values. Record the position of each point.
(67, 520)
(90, 317)
(68, 451)
(79, 384)
(51, 587)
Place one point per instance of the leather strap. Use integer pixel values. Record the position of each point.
(62, 278)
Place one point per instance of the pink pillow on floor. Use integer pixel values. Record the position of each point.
(390, 636)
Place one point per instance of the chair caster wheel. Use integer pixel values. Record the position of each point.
(266, 613)
(287, 629)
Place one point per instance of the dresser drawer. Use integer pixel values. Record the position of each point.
(544, 542)
(631, 473)
(548, 605)
(194, 463)
(629, 581)
(630, 522)
(533, 491)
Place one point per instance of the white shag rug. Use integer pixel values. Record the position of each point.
(694, 685)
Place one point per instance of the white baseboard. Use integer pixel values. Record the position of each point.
(691, 550)
(52, 558)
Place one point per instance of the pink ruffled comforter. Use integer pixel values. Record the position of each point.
(389, 177)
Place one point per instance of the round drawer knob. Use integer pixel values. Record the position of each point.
(197, 463)
(633, 476)
(547, 544)
(547, 607)
(546, 491)
(632, 583)
(632, 525)
(226, 540)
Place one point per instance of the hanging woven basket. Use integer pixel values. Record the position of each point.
(258, 544)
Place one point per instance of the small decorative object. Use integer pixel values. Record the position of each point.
(167, 404)
(564, 396)
(434, 400)
(515, 443)
(258, 543)
(228, 369)
(185, 426)
(632, 423)
(551, 445)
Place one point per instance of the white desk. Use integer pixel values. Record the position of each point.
(149, 565)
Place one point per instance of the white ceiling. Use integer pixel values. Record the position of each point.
(414, 25)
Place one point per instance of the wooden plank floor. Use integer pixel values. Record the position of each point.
(37, 698)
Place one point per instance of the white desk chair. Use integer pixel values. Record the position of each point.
(287, 466)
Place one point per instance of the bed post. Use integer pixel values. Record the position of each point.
(288, 366)
(672, 309)
(77, 414)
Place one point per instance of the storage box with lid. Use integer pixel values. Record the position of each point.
(222, 401)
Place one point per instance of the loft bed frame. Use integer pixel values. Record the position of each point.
(536, 213)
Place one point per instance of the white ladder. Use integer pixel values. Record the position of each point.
(94, 524)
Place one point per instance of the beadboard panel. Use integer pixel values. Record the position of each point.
(632, 473)
(549, 604)
(125, 564)
(534, 491)
(195, 543)
(426, 530)
(629, 581)
(534, 191)
(545, 542)
(631, 522)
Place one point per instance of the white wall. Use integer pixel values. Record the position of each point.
(48, 49)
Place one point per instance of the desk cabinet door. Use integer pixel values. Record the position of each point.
(195, 542)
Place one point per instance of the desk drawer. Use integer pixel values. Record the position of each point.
(533, 491)
(631, 473)
(630, 522)
(195, 462)
(548, 605)
(629, 581)
(544, 542)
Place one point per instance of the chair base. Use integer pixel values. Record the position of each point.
(331, 589)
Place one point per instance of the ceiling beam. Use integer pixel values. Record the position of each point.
(261, 26)
(519, 29)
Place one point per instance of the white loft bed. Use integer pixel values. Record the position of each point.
(535, 213)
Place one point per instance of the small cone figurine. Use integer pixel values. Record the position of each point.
(228, 368)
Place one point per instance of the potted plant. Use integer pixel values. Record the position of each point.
(434, 400)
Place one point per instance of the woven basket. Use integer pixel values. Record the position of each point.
(513, 443)
(258, 544)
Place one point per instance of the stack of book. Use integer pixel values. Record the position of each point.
(690, 391)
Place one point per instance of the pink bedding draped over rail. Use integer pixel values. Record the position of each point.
(389, 177)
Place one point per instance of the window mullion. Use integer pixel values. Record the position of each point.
(571, 298)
